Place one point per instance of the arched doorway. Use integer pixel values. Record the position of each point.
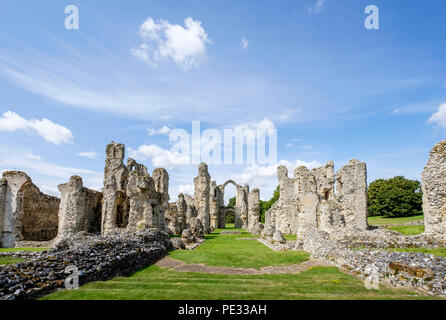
(238, 209)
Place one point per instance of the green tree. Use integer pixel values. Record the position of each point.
(231, 202)
(395, 197)
(266, 205)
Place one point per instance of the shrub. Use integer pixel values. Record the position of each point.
(395, 197)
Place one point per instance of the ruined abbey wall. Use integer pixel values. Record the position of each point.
(309, 200)
(25, 212)
(132, 199)
(80, 209)
(434, 191)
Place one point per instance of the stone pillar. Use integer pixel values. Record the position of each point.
(141, 195)
(114, 190)
(306, 191)
(253, 208)
(182, 212)
(79, 209)
(434, 191)
(3, 187)
(213, 205)
(351, 191)
(325, 183)
(12, 212)
(285, 212)
(161, 179)
(201, 190)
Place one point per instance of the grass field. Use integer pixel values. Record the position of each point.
(22, 249)
(228, 251)
(408, 230)
(156, 283)
(377, 221)
(10, 260)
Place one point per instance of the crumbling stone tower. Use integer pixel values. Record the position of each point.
(201, 196)
(80, 209)
(132, 199)
(434, 191)
(309, 200)
(115, 205)
(253, 209)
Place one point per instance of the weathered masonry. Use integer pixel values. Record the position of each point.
(209, 208)
(309, 200)
(26, 214)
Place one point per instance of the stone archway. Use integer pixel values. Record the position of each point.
(229, 211)
(241, 205)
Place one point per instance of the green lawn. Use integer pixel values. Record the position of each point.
(154, 283)
(377, 221)
(441, 252)
(227, 251)
(408, 230)
(22, 249)
(10, 260)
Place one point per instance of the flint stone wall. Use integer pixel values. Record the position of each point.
(309, 200)
(25, 212)
(132, 199)
(98, 258)
(80, 209)
(434, 191)
(424, 272)
(201, 195)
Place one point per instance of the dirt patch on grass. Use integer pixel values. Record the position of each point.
(180, 266)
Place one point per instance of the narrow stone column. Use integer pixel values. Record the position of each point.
(253, 208)
(434, 191)
(201, 195)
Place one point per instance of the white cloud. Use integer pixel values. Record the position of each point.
(32, 156)
(89, 154)
(164, 130)
(186, 189)
(258, 175)
(45, 128)
(244, 43)
(186, 46)
(440, 116)
(160, 157)
(317, 7)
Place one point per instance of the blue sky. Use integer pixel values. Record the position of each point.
(333, 89)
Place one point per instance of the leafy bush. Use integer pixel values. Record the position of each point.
(266, 205)
(395, 197)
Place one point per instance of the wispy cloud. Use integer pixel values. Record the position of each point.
(48, 130)
(244, 44)
(439, 117)
(317, 7)
(163, 130)
(88, 154)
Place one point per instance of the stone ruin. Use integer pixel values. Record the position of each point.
(434, 191)
(207, 207)
(326, 210)
(321, 199)
(26, 214)
(130, 200)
